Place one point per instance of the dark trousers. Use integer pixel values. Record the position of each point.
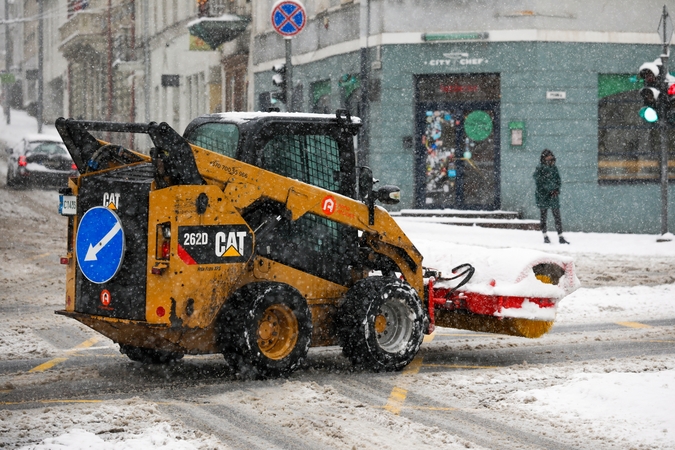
(556, 219)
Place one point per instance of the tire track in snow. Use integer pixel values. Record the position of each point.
(234, 426)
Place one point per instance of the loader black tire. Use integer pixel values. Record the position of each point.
(148, 355)
(270, 326)
(381, 324)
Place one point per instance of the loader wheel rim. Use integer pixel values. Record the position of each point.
(394, 329)
(277, 332)
(380, 324)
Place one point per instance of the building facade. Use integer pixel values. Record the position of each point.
(461, 97)
(464, 96)
(130, 60)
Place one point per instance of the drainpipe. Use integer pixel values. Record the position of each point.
(40, 37)
(364, 31)
(132, 45)
(109, 114)
(8, 62)
(146, 61)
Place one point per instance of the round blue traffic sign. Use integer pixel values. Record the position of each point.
(288, 17)
(99, 245)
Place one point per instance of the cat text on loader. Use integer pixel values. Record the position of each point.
(253, 235)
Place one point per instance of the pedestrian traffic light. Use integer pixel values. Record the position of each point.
(279, 80)
(650, 72)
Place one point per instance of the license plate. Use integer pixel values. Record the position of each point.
(67, 205)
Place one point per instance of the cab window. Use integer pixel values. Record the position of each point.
(311, 158)
(221, 138)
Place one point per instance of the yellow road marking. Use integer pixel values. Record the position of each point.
(70, 401)
(633, 324)
(431, 408)
(86, 344)
(460, 366)
(399, 393)
(428, 338)
(48, 365)
(396, 399)
(51, 363)
(414, 367)
(51, 401)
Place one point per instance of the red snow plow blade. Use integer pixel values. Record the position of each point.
(523, 315)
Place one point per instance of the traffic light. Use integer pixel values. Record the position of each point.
(650, 72)
(670, 99)
(279, 80)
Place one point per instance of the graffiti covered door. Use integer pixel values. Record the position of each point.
(457, 157)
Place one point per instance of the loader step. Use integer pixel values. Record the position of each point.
(487, 219)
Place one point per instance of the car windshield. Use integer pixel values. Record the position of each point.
(221, 138)
(47, 148)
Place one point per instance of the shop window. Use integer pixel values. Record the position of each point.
(321, 92)
(628, 147)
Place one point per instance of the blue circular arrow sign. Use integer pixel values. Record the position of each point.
(288, 17)
(99, 245)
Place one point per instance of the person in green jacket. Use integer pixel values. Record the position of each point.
(547, 194)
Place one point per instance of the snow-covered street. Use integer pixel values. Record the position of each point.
(603, 378)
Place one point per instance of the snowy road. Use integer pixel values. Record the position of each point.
(325, 404)
(603, 378)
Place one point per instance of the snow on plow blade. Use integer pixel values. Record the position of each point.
(508, 291)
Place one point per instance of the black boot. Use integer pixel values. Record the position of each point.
(546, 240)
(562, 240)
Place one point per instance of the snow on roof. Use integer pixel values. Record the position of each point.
(223, 18)
(42, 137)
(242, 116)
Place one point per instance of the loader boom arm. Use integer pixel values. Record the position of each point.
(243, 184)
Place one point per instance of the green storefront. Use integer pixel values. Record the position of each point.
(462, 125)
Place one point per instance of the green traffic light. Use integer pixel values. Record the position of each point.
(649, 114)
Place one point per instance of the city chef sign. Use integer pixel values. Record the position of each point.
(456, 60)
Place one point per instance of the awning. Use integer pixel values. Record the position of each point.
(218, 30)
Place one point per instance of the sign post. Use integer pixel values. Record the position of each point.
(288, 19)
(665, 30)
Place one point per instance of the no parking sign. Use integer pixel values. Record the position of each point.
(288, 17)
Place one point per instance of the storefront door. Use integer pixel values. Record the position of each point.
(457, 142)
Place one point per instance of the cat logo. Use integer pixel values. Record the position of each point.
(230, 244)
(215, 244)
(111, 200)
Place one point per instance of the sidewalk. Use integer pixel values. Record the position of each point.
(21, 125)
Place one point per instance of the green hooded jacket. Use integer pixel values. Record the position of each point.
(547, 181)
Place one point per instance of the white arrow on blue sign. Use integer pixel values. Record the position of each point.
(99, 245)
(288, 17)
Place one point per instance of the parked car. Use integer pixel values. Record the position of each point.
(39, 160)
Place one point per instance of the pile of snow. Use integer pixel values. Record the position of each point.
(625, 404)
(504, 271)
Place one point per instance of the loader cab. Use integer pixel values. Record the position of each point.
(315, 149)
